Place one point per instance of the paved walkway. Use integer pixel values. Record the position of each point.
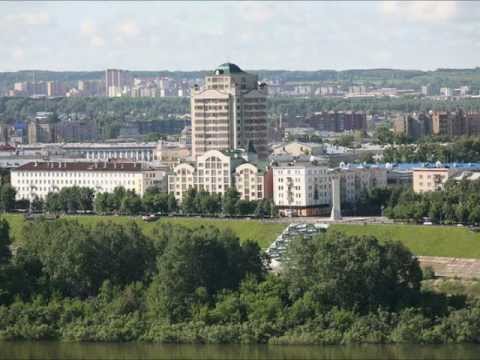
(452, 267)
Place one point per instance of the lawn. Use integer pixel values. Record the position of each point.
(423, 240)
(262, 232)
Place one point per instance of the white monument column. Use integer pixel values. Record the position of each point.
(336, 201)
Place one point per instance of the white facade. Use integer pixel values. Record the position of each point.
(305, 188)
(37, 179)
(302, 186)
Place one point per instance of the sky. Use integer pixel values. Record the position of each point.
(255, 35)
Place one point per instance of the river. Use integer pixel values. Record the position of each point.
(22, 350)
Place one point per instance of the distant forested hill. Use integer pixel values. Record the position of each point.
(379, 77)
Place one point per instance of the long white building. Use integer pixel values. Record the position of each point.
(37, 179)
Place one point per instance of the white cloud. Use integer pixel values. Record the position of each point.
(421, 11)
(32, 18)
(97, 41)
(257, 13)
(88, 27)
(18, 54)
(129, 29)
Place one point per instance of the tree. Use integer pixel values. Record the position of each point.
(37, 204)
(7, 197)
(131, 204)
(202, 258)
(54, 203)
(6, 278)
(230, 199)
(354, 272)
(245, 207)
(86, 196)
(188, 202)
(172, 203)
(122, 254)
(102, 203)
(5, 242)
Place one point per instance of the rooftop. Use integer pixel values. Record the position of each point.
(81, 166)
(228, 68)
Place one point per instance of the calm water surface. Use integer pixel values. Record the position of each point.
(100, 351)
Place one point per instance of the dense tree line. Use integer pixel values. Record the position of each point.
(111, 113)
(459, 202)
(201, 202)
(112, 283)
(461, 150)
(71, 200)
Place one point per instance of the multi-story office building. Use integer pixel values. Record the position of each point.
(229, 112)
(37, 179)
(116, 81)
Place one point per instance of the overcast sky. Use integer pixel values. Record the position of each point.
(267, 35)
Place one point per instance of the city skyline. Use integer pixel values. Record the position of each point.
(262, 35)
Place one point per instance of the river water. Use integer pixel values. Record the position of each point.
(100, 351)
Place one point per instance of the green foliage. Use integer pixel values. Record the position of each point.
(461, 150)
(457, 203)
(353, 272)
(201, 259)
(7, 197)
(230, 200)
(111, 283)
(74, 259)
(68, 200)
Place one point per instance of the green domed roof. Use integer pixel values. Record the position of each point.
(228, 68)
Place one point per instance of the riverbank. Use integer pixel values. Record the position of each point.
(41, 350)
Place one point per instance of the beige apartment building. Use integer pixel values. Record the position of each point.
(212, 172)
(431, 179)
(229, 112)
(254, 182)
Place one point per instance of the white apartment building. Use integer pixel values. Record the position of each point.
(37, 179)
(301, 188)
(304, 188)
(253, 182)
(229, 112)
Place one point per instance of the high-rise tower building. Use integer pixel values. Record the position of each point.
(116, 81)
(229, 112)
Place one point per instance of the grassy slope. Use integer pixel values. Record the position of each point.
(262, 232)
(423, 240)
